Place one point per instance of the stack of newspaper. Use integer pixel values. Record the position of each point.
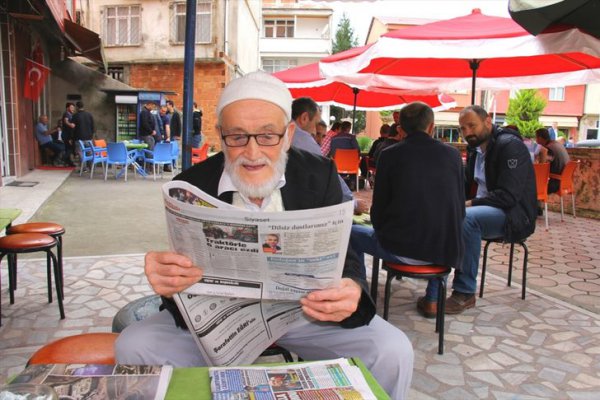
(91, 381)
(257, 266)
(333, 379)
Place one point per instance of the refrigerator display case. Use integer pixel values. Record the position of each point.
(126, 117)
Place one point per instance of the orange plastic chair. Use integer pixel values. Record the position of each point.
(566, 185)
(542, 174)
(200, 154)
(102, 144)
(87, 348)
(347, 162)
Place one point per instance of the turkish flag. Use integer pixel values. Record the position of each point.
(35, 79)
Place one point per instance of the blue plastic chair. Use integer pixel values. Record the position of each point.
(174, 153)
(99, 155)
(117, 154)
(85, 154)
(161, 155)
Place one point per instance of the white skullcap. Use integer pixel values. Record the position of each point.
(257, 85)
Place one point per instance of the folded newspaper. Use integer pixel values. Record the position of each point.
(257, 266)
(332, 379)
(91, 381)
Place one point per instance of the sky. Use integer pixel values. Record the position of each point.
(360, 13)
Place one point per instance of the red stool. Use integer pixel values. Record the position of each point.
(87, 348)
(21, 243)
(48, 228)
(420, 272)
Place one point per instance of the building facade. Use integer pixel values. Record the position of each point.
(144, 46)
(37, 37)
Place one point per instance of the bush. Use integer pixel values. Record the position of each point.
(364, 143)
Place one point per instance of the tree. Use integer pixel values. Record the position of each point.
(344, 40)
(344, 36)
(524, 111)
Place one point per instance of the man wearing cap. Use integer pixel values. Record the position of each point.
(258, 170)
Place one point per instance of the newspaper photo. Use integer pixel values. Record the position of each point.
(332, 379)
(256, 268)
(91, 381)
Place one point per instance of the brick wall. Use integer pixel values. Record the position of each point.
(209, 80)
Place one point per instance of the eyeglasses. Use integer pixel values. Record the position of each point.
(242, 139)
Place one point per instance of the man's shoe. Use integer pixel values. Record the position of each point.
(459, 302)
(428, 309)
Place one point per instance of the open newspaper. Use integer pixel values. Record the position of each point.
(257, 265)
(91, 381)
(332, 379)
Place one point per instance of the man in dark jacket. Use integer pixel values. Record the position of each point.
(418, 202)
(258, 170)
(147, 131)
(84, 124)
(501, 193)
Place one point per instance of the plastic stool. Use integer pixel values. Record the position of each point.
(48, 228)
(19, 243)
(87, 348)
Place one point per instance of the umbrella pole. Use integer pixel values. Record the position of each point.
(355, 91)
(474, 64)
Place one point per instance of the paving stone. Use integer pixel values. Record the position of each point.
(552, 375)
(482, 362)
(449, 376)
(503, 358)
(488, 377)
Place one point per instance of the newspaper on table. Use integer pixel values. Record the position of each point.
(257, 266)
(332, 379)
(92, 381)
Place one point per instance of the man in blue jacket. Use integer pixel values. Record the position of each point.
(501, 196)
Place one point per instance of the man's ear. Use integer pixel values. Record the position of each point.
(291, 130)
(430, 129)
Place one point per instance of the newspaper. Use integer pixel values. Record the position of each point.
(91, 381)
(333, 379)
(257, 266)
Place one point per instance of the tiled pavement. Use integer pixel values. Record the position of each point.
(544, 347)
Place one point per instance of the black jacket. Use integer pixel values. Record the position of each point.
(418, 201)
(146, 122)
(175, 123)
(84, 126)
(510, 182)
(311, 182)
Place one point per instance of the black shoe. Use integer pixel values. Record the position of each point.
(167, 169)
(540, 211)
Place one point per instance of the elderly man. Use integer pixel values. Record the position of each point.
(258, 170)
(43, 134)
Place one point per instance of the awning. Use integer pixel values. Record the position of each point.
(561, 121)
(85, 42)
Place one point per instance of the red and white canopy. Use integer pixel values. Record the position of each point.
(441, 56)
(305, 81)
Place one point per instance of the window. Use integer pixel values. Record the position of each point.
(557, 94)
(203, 22)
(122, 25)
(271, 65)
(116, 73)
(279, 28)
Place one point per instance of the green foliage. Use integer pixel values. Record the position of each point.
(364, 142)
(386, 116)
(341, 114)
(524, 111)
(344, 36)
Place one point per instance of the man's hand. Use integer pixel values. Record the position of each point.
(468, 203)
(335, 304)
(361, 207)
(170, 273)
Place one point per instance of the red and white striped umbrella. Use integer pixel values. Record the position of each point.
(305, 81)
(476, 49)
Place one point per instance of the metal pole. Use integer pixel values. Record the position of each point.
(474, 64)
(189, 59)
(355, 91)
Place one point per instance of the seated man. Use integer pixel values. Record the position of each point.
(557, 155)
(43, 134)
(258, 170)
(418, 202)
(502, 199)
(344, 140)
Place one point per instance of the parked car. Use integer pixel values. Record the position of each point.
(588, 143)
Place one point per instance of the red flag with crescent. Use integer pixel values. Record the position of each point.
(35, 79)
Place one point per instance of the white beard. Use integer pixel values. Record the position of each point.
(262, 190)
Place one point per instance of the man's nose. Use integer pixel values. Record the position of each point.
(252, 149)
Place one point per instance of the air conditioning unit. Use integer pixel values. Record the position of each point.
(598, 124)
